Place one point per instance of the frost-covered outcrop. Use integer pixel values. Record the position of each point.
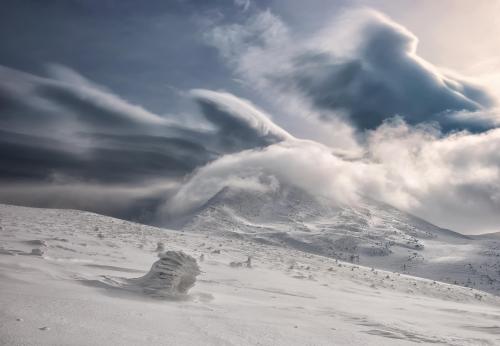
(172, 275)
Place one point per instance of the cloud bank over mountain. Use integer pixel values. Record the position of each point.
(450, 180)
(423, 140)
(68, 142)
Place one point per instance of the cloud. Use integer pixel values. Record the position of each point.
(243, 4)
(362, 68)
(94, 104)
(59, 147)
(304, 164)
(451, 181)
(240, 125)
(138, 203)
(65, 130)
(69, 127)
(66, 141)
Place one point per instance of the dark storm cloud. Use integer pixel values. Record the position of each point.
(67, 127)
(67, 142)
(385, 78)
(55, 128)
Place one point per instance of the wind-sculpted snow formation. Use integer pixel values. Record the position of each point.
(172, 275)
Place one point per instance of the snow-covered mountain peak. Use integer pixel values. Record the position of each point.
(371, 233)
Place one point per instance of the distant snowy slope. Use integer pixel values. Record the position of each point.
(494, 235)
(370, 233)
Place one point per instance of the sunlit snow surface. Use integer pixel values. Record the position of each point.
(68, 292)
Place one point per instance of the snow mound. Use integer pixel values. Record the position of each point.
(172, 275)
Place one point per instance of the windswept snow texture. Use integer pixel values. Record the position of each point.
(77, 291)
(370, 233)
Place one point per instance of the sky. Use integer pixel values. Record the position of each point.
(145, 110)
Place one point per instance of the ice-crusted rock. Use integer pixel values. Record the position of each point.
(37, 252)
(172, 275)
(37, 242)
(247, 263)
(160, 247)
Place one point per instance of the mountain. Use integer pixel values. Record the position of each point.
(370, 233)
(494, 235)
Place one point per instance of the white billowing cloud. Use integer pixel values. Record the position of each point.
(451, 181)
(365, 67)
(360, 72)
(362, 68)
(305, 164)
(258, 51)
(237, 41)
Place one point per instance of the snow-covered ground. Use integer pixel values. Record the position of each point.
(59, 271)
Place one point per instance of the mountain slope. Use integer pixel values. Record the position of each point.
(370, 233)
